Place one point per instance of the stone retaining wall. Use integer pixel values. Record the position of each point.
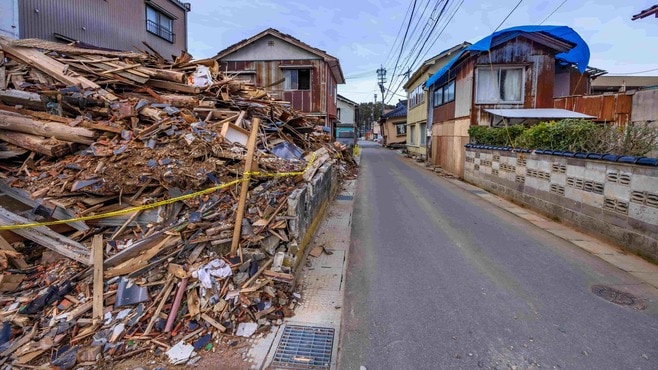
(617, 201)
(307, 206)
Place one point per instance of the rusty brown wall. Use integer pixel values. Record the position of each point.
(113, 24)
(606, 108)
(539, 75)
(268, 72)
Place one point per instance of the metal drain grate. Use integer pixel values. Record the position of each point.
(618, 297)
(304, 347)
(344, 197)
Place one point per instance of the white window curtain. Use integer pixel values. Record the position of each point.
(487, 85)
(510, 87)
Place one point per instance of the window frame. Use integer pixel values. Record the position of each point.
(498, 69)
(155, 27)
(288, 83)
(412, 134)
(443, 89)
(399, 132)
(416, 96)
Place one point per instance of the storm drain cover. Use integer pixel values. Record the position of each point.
(304, 347)
(618, 297)
(344, 197)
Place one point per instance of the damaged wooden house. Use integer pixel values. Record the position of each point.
(146, 205)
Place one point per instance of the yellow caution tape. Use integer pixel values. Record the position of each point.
(246, 177)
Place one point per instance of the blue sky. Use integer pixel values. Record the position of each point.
(362, 33)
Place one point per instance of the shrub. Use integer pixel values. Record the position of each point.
(637, 139)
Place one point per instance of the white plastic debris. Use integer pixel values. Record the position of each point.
(246, 329)
(180, 353)
(215, 268)
(201, 77)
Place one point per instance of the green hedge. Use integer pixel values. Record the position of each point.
(571, 135)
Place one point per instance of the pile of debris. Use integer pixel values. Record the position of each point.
(171, 181)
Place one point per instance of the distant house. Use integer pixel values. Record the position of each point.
(347, 111)
(393, 126)
(508, 77)
(614, 84)
(162, 24)
(296, 72)
(418, 128)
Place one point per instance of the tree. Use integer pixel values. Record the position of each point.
(368, 115)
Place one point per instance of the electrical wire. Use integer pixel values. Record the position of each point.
(403, 40)
(390, 53)
(454, 11)
(508, 15)
(553, 12)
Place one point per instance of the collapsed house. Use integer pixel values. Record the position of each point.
(143, 204)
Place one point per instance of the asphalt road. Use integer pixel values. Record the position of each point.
(439, 279)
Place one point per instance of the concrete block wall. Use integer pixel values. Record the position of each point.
(306, 206)
(616, 201)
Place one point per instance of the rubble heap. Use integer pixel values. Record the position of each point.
(194, 169)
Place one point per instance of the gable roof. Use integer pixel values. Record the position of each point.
(346, 100)
(400, 110)
(558, 37)
(332, 61)
(430, 62)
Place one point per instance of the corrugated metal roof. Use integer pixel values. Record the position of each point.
(549, 113)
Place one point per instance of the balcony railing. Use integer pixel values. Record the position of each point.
(160, 31)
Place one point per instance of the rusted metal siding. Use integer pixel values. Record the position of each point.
(269, 72)
(538, 64)
(606, 108)
(444, 112)
(113, 24)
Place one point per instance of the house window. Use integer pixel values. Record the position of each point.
(499, 85)
(416, 96)
(423, 134)
(297, 79)
(401, 128)
(159, 24)
(412, 135)
(444, 94)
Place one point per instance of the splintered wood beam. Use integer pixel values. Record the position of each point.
(244, 186)
(46, 237)
(49, 147)
(27, 125)
(97, 254)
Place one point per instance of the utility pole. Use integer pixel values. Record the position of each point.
(381, 77)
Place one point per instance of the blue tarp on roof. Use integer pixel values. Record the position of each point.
(578, 55)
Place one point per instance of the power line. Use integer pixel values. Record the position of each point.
(414, 50)
(508, 15)
(632, 73)
(390, 53)
(438, 18)
(404, 38)
(553, 12)
(454, 11)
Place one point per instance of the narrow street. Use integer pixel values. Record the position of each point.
(438, 278)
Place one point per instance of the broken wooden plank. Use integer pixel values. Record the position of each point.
(212, 322)
(279, 276)
(142, 259)
(174, 86)
(56, 212)
(46, 237)
(163, 299)
(244, 186)
(97, 253)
